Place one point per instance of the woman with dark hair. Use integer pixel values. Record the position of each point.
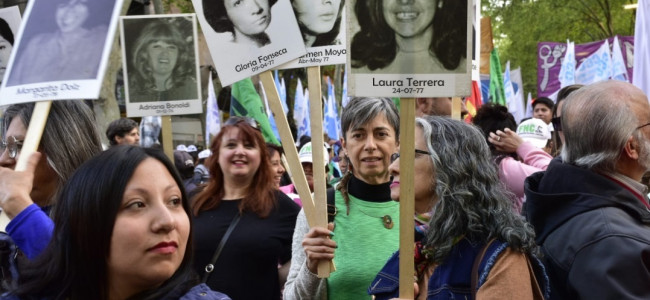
(72, 51)
(429, 36)
(246, 20)
(163, 62)
(6, 44)
(367, 220)
(69, 139)
(319, 21)
(118, 234)
(516, 159)
(275, 156)
(460, 216)
(241, 212)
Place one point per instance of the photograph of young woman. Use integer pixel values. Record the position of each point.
(410, 37)
(319, 21)
(65, 42)
(161, 62)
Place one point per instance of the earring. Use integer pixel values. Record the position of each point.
(439, 4)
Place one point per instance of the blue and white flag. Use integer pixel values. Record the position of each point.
(619, 72)
(282, 92)
(301, 111)
(641, 76)
(529, 106)
(269, 113)
(514, 99)
(344, 95)
(596, 67)
(212, 115)
(567, 74)
(330, 122)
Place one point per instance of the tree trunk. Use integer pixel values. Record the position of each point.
(106, 108)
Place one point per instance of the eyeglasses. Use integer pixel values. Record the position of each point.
(239, 119)
(395, 156)
(644, 125)
(14, 145)
(557, 123)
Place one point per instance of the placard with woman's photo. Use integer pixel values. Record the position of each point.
(248, 37)
(418, 48)
(322, 25)
(61, 51)
(161, 65)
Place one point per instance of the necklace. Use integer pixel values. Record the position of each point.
(386, 220)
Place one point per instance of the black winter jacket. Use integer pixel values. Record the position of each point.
(594, 233)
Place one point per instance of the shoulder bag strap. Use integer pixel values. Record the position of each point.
(210, 267)
(477, 262)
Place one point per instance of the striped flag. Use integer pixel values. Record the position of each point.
(301, 111)
(213, 114)
(641, 76)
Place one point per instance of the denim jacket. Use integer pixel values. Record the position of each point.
(451, 280)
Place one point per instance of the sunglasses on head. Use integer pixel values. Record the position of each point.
(240, 119)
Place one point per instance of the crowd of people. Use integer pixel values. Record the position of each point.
(551, 208)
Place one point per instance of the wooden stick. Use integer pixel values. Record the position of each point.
(168, 143)
(406, 194)
(317, 145)
(34, 133)
(455, 107)
(299, 180)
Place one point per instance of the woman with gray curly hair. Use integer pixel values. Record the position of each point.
(476, 231)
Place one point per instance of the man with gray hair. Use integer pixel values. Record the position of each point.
(589, 210)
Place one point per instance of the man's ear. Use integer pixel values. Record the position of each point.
(632, 148)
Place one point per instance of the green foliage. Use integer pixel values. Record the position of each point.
(518, 25)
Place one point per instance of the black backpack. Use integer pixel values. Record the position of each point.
(11, 259)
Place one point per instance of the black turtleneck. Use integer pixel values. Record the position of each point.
(369, 192)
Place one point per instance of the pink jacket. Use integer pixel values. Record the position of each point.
(513, 172)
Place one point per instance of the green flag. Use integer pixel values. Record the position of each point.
(245, 101)
(497, 93)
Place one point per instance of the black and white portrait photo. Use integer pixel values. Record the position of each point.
(9, 24)
(161, 63)
(247, 37)
(62, 50)
(319, 21)
(322, 25)
(414, 37)
(66, 44)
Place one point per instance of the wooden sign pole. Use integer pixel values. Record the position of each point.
(455, 107)
(168, 143)
(406, 194)
(318, 165)
(34, 133)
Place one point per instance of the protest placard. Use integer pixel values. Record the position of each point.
(161, 65)
(61, 51)
(418, 49)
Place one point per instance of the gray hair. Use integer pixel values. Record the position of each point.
(597, 121)
(360, 111)
(472, 201)
(70, 136)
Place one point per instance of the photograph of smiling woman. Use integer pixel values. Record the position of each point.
(161, 62)
(398, 37)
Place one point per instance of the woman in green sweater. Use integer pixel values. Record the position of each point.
(366, 227)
